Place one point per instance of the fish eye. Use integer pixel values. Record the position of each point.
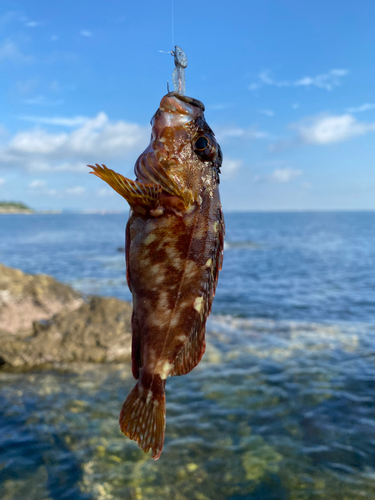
(201, 143)
(205, 147)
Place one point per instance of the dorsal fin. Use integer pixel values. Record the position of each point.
(135, 193)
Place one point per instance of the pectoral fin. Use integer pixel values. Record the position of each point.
(135, 193)
(149, 169)
(173, 186)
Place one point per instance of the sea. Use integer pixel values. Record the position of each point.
(282, 406)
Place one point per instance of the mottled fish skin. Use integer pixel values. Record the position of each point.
(174, 250)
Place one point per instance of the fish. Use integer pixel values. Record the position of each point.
(174, 252)
(180, 62)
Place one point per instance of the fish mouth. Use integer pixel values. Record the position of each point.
(176, 110)
(188, 100)
(176, 103)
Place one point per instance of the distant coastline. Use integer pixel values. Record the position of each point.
(12, 207)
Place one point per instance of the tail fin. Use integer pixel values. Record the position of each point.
(142, 417)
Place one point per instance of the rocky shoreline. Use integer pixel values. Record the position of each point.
(45, 323)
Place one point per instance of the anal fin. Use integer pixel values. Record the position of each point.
(192, 352)
(135, 193)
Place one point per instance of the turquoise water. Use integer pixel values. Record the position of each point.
(281, 407)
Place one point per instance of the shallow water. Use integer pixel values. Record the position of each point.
(272, 412)
(281, 407)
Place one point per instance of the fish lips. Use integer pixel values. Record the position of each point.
(176, 110)
(184, 101)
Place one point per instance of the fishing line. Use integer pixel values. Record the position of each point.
(172, 15)
(170, 51)
(172, 25)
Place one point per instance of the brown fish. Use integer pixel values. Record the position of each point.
(174, 251)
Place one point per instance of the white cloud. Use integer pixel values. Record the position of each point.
(2, 181)
(279, 175)
(4, 134)
(324, 81)
(33, 24)
(75, 191)
(266, 112)
(267, 80)
(97, 140)
(41, 100)
(327, 129)
(36, 142)
(230, 167)
(10, 52)
(25, 87)
(10, 16)
(38, 187)
(254, 86)
(284, 174)
(223, 133)
(360, 109)
(103, 192)
(37, 184)
(62, 121)
(85, 33)
(7, 17)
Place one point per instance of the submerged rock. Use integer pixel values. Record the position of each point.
(44, 322)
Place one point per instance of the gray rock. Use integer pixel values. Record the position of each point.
(44, 322)
(25, 298)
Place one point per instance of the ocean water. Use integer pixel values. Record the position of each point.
(282, 405)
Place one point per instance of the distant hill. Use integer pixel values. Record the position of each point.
(14, 207)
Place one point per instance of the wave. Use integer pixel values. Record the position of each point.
(250, 245)
(281, 340)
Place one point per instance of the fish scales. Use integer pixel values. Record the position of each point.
(174, 248)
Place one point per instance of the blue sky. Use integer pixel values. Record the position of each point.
(289, 90)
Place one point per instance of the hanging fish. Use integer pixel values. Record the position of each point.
(174, 252)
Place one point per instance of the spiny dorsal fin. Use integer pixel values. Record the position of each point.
(135, 193)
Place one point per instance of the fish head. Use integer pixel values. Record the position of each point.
(183, 156)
